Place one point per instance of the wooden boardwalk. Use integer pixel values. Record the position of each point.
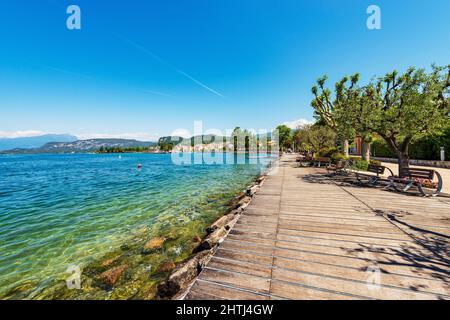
(308, 236)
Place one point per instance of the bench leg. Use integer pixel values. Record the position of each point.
(421, 190)
(391, 186)
(408, 186)
(373, 181)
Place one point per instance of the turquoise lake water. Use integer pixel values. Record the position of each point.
(61, 210)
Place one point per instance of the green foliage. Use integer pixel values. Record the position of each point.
(407, 110)
(335, 157)
(313, 138)
(380, 148)
(244, 140)
(122, 150)
(333, 153)
(361, 165)
(425, 148)
(285, 137)
(328, 151)
(166, 146)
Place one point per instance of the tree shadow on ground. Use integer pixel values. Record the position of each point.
(428, 256)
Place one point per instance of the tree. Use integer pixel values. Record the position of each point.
(403, 108)
(312, 138)
(326, 109)
(284, 136)
(347, 105)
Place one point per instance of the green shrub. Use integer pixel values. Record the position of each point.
(335, 157)
(355, 158)
(375, 162)
(328, 152)
(361, 165)
(426, 148)
(379, 148)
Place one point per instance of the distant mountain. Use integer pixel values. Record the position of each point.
(34, 142)
(81, 146)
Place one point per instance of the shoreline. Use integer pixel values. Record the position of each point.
(140, 265)
(178, 283)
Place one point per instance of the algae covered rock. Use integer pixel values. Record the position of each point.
(111, 276)
(155, 244)
(166, 266)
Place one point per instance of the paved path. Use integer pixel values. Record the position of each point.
(307, 236)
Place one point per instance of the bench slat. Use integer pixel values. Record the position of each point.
(375, 169)
(418, 173)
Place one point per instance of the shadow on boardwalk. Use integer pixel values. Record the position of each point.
(432, 251)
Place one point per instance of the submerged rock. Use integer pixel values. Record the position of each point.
(155, 244)
(111, 276)
(107, 262)
(124, 247)
(166, 266)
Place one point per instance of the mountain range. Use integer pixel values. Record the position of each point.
(34, 142)
(80, 146)
(65, 143)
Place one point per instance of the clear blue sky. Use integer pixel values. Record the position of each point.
(154, 66)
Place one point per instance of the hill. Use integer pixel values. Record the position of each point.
(82, 146)
(34, 142)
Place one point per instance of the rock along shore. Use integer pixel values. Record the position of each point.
(183, 276)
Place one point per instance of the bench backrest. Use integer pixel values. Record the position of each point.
(376, 169)
(417, 173)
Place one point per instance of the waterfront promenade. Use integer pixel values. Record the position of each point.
(309, 236)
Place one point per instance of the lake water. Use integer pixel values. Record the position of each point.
(58, 211)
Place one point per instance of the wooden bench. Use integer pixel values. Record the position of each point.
(337, 168)
(318, 162)
(422, 179)
(304, 161)
(374, 174)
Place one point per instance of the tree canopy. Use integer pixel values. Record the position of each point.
(399, 108)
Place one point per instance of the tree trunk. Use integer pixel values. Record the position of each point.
(346, 148)
(366, 151)
(403, 161)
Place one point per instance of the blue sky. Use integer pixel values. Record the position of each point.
(145, 68)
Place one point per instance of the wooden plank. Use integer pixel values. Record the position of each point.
(309, 236)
